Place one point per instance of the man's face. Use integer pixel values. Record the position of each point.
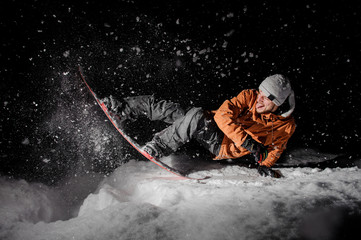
(264, 105)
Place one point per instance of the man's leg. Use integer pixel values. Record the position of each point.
(132, 107)
(196, 124)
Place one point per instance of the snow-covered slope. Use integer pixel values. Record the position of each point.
(141, 201)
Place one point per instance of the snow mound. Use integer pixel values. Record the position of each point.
(24, 202)
(142, 201)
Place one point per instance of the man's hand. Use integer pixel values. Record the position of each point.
(266, 171)
(261, 154)
(259, 151)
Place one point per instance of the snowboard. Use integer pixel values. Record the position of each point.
(115, 120)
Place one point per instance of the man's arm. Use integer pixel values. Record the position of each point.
(275, 151)
(227, 114)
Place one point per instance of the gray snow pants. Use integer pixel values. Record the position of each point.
(194, 124)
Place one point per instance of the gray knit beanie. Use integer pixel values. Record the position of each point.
(278, 88)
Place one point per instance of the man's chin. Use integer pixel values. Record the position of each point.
(259, 110)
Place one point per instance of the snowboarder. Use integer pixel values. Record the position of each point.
(256, 122)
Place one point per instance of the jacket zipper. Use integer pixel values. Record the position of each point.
(272, 131)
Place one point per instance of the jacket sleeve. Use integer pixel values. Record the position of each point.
(275, 151)
(227, 114)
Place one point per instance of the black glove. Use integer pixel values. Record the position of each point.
(259, 151)
(266, 171)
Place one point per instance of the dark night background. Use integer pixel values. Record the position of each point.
(198, 53)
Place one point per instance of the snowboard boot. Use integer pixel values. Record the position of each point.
(153, 150)
(156, 148)
(113, 105)
(120, 108)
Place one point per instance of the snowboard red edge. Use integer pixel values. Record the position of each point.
(112, 119)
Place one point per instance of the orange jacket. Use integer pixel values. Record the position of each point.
(238, 118)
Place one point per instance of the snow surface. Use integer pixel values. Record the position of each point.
(139, 200)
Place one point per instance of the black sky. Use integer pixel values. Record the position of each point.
(194, 52)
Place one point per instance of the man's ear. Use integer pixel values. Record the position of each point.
(275, 107)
